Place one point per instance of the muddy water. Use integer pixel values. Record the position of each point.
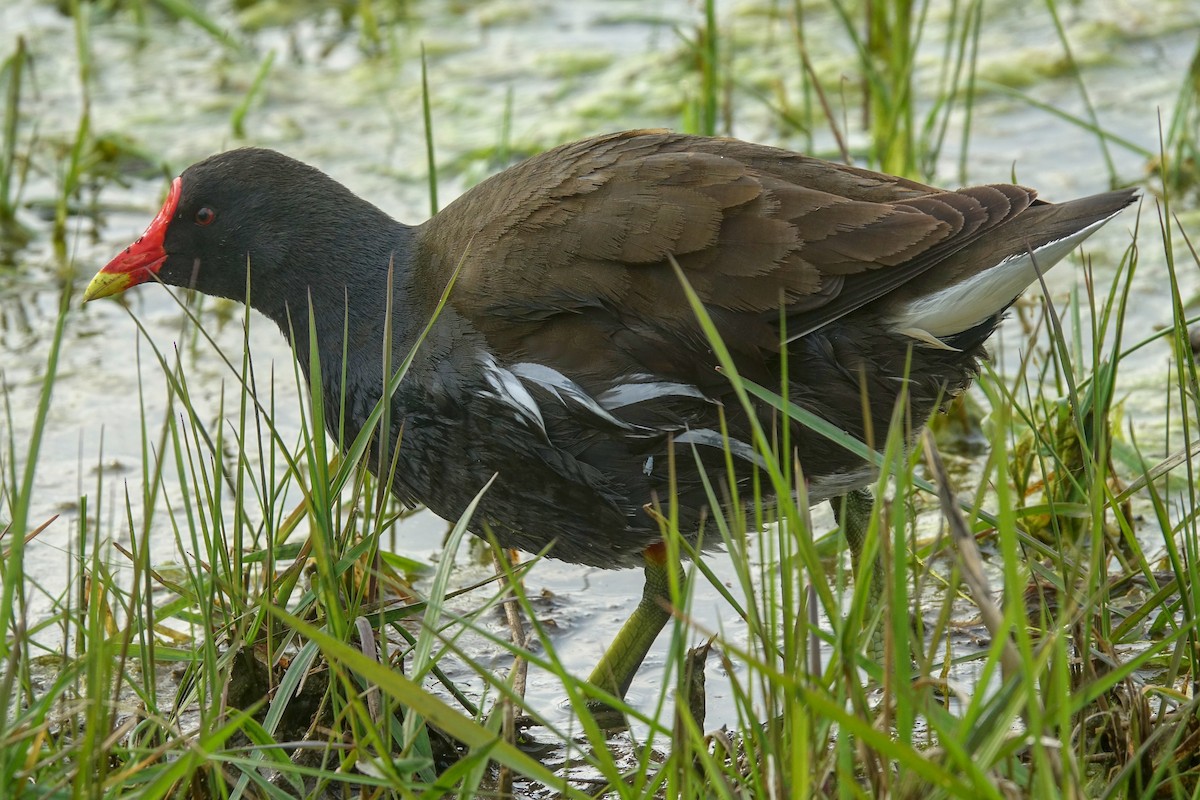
(565, 70)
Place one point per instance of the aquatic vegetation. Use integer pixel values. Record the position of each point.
(200, 599)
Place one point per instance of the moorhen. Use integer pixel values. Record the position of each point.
(568, 362)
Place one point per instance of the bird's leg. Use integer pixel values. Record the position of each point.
(853, 514)
(621, 660)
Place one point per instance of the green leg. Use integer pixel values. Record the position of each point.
(621, 660)
(853, 514)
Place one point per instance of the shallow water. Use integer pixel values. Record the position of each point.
(570, 69)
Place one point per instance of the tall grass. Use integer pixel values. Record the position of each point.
(12, 78)
(906, 117)
(282, 652)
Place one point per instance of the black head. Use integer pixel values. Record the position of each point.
(289, 224)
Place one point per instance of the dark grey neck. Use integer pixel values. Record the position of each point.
(347, 302)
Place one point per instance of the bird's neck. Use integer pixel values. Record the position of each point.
(343, 307)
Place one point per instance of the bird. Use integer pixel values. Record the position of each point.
(566, 379)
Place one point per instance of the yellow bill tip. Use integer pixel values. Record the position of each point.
(106, 284)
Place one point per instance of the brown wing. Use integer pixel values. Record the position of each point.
(589, 227)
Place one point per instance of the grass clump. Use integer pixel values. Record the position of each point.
(1038, 621)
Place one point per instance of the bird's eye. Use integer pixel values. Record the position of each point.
(205, 216)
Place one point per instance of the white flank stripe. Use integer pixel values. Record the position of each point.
(564, 389)
(711, 438)
(628, 394)
(510, 391)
